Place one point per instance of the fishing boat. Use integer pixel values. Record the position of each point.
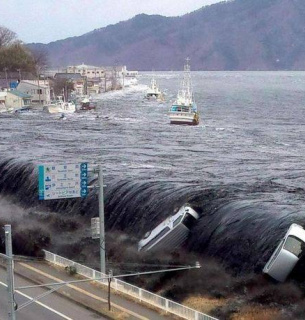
(60, 106)
(87, 104)
(154, 92)
(184, 109)
(170, 233)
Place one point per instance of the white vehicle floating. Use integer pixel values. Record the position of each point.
(287, 254)
(170, 233)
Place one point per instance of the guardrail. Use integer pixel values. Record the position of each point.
(133, 291)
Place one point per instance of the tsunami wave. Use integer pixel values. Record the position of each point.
(234, 227)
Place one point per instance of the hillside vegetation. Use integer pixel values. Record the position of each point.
(233, 35)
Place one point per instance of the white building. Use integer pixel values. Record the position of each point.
(15, 99)
(99, 72)
(88, 71)
(39, 90)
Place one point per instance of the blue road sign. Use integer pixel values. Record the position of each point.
(59, 181)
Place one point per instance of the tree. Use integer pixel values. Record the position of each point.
(63, 85)
(7, 37)
(40, 59)
(14, 55)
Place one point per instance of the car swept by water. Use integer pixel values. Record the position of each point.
(287, 253)
(170, 233)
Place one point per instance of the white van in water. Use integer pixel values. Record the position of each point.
(170, 233)
(287, 253)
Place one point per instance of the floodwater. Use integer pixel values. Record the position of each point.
(242, 167)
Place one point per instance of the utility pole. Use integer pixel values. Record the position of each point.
(38, 71)
(5, 70)
(102, 219)
(10, 272)
(19, 70)
(110, 275)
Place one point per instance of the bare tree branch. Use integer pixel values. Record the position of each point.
(7, 37)
(40, 59)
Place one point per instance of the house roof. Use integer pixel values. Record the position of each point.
(19, 94)
(32, 83)
(84, 66)
(68, 76)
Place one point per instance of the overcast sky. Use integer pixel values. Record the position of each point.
(49, 20)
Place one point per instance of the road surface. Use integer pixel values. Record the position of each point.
(51, 307)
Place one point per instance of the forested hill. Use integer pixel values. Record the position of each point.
(232, 35)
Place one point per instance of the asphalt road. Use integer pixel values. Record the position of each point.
(51, 307)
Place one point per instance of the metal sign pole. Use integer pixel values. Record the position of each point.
(102, 218)
(10, 271)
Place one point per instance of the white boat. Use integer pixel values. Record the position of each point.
(170, 233)
(129, 81)
(154, 92)
(184, 109)
(60, 106)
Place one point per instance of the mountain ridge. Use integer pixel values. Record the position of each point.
(232, 35)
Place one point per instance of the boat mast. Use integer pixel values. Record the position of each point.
(187, 85)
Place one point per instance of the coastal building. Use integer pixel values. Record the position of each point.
(94, 86)
(87, 70)
(94, 72)
(15, 99)
(79, 81)
(100, 79)
(38, 89)
(132, 74)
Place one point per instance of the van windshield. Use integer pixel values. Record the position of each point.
(294, 245)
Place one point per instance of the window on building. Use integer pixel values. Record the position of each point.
(39, 91)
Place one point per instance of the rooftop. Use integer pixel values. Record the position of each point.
(19, 94)
(63, 75)
(85, 66)
(42, 83)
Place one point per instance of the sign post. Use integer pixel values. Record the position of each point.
(63, 181)
(95, 228)
(102, 219)
(10, 271)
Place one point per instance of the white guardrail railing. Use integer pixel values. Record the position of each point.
(133, 291)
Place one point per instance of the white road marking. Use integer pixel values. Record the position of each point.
(38, 302)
